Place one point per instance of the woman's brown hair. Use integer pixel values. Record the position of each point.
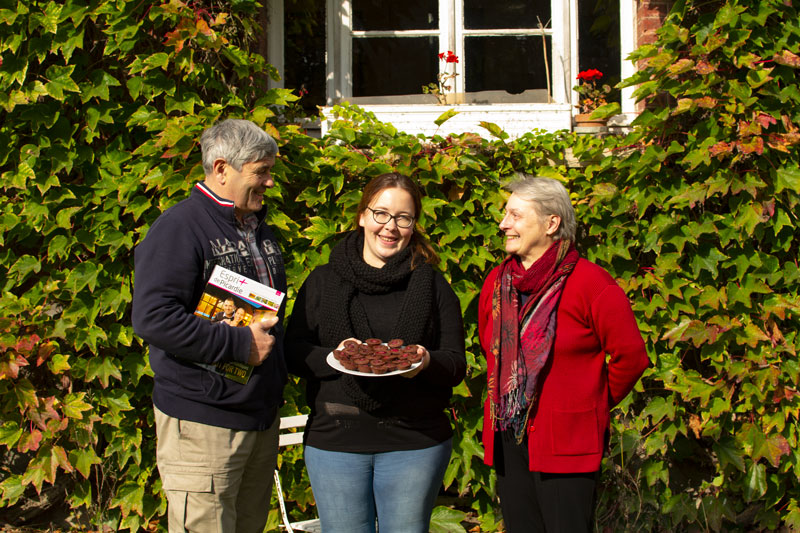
(421, 248)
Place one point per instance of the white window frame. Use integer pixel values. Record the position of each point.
(338, 55)
(451, 36)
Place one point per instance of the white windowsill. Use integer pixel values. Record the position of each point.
(516, 119)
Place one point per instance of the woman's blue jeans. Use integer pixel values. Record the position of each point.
(398, 488)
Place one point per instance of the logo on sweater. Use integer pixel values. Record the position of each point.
(222, 248)
(231, 255)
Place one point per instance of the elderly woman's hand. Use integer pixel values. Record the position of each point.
(426, 360)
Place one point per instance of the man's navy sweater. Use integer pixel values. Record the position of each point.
(172, 265)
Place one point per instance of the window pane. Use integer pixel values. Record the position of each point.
(304, 51)
(513, 64)
(372, 15)
(388, 65)
(598, 40)
(507, 14)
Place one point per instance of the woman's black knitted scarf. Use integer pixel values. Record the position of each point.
(345, 316)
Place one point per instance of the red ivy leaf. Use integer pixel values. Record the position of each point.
(10, 367)
(749, 128)
(765, 120)
(772, 449)
(782, 141)
(768, 208)
(26, 344)
(44, 353)
(785, 57)
(59, 458)
(696, 425)
(29, 442)
(44, 412)
(782, 393)
(704, 68)
(706, 102)
(202, 27)
(754, 144)
(721, 148)
(173, 38)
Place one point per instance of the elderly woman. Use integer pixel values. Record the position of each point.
(547, 322)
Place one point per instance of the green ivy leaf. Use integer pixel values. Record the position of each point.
(320, 230)
(756, 482)
(25, 394)
(73, 405)
(83, 459)
(59, 81)
(10, 434)
(606, 111)
(787, 178)
(80, 495)
(494, 129)
(83, 275)
(12, 488)
(444, 117)
(771, 448)
(657, 409)
(128, 498)
(58, 364)
(103, 369)
(446, 520)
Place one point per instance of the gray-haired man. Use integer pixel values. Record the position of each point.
(217, 438)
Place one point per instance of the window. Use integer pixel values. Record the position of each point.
(524, 53)
(510, 51)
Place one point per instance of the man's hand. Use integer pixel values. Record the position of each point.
(263, 342)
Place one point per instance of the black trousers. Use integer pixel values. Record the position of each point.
(538, 502)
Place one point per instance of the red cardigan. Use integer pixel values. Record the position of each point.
(577, 388)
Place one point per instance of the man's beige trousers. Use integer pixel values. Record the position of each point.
(217, 480)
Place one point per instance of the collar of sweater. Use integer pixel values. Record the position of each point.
(223, 206)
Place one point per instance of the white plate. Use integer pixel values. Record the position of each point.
(331, 360)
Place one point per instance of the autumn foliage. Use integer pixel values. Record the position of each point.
(694, 211)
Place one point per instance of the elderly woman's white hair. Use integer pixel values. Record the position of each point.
(549, 197)
(236, 141)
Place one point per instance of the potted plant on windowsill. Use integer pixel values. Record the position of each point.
(591, 97)
(441, 89)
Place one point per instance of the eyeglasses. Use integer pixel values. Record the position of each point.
(382, 217)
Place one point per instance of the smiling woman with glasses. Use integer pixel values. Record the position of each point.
(377, 447)
(383, 217)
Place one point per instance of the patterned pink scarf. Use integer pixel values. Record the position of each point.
(522, 339)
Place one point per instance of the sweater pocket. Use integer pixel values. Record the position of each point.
(575, 433)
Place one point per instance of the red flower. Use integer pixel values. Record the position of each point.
(591, 96)
(590, 75)
(450, 57)
(442, 85)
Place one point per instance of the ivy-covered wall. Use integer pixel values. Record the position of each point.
(694, 212)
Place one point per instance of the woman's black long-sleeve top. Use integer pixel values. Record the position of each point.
(413, 412)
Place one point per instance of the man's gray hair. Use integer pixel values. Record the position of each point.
(550, 198)
(236, 141)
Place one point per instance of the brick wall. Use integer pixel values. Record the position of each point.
(650, 15)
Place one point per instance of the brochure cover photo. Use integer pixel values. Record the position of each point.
(233, 300)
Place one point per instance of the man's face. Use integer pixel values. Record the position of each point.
(246, 187)
(227, 307)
